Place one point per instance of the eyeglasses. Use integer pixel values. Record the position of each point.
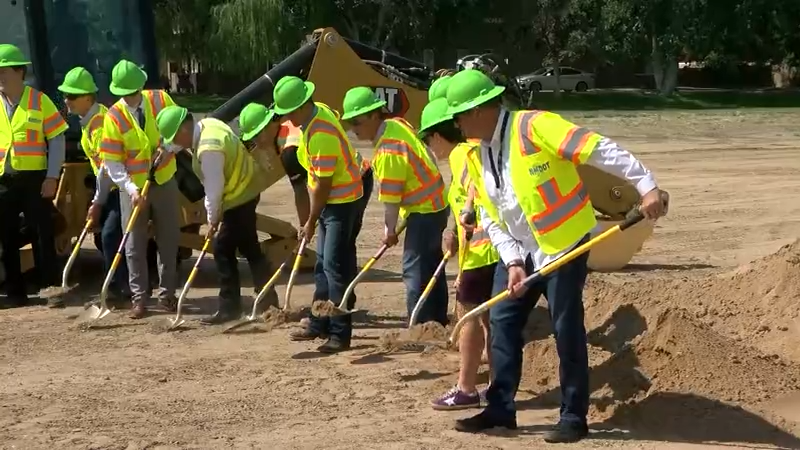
(73, 96)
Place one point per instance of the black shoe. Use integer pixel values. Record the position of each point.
(305, 334)
(482, 422)
(333, 345)
(566, 432)
(222, 316)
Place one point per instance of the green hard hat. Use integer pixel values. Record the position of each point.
(78, 81)
(253, 118)
(127, 78)
(169, 120)
(470, 88)
(360, 100)
(291, 93)
(11, 56)
(439, 88)
(434, 113)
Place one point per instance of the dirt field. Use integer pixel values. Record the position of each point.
(692, 346)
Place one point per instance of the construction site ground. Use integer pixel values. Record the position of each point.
(695, 345)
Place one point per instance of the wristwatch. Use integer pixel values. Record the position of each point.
(516, 263)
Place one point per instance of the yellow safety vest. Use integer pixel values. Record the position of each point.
(405, 170)
(243, 181)
(125, 141)
(91, 135)
(544, 150)
(23, 137)
(480, 252)
(325, 151)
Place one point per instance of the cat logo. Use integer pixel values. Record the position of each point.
(395, 98)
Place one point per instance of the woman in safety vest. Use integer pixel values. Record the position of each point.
(479, 258)
(410, 186)
(233, 186)
(80, 92)
(535, 209)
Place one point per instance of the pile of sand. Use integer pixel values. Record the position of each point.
(686, 344)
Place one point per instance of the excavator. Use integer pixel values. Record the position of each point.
(333, 62)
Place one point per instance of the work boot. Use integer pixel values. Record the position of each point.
(168, 304)
(484, 421)
(138, 310)
(566, 432)
(333, 345)
(228, 311)
(55, 302)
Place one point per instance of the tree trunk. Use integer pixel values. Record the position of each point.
(665, 68)
(557, 75)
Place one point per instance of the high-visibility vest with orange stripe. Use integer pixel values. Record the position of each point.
(479, 251)
(544, 151)
(23, 137)
(91, 135)
(125, 141)
(325, 151)
(406, 171)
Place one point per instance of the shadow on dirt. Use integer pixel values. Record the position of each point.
(665, 267)
(318, 355)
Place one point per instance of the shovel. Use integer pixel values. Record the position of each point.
(633, 218)
(427, 292)
(253, 317)
(94, 312)
(61, 291)
(175, 323)
(328, 308)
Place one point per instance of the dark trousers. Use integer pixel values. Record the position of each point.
(337, 260)
(20, 193)
(563, 290)
(108, 240)
(422, 253)
(237, 231)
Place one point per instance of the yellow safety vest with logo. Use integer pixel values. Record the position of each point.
(480, 252)
(92, 135)
(125, 141)
(23, 137)
(544, 151)
(406, 171)
(243, 181)
(325, 151)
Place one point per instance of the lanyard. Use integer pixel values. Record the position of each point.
(498, 174)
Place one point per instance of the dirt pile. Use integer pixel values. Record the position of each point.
(417, 338)
(729, 337)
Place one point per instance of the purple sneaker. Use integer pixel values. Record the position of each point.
(454, 399)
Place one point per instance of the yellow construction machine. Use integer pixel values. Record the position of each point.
(336, 64)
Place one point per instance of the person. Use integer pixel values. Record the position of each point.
(477, 269)
(260, 125)
(410, 186)
(131, 144)
(535, 209)
(233, 184)
(338, 198)
(80, 92)
(32, 150)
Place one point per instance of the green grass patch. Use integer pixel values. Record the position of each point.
(614, 100)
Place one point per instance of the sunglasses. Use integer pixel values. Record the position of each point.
(73, 96)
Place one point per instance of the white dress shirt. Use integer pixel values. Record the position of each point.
(212, 164)
(116, 169)
(516, 241)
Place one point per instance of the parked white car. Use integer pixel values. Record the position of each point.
(544, 79)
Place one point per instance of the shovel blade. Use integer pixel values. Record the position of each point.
(238, 325)
(92, 313)
(175, 324)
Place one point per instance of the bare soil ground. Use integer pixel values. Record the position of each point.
(695, 345)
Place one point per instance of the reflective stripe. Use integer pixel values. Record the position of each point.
(524, 122)
(52, 123)
(559, 208)
(479, 237)
(573, 143)
(431, 186)
(210, 143)
(120, 119)
(353, 186)
(112, 146)
(156, 99)
(391, 187)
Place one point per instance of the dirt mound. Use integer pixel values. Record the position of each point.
(417, 338)
(725, 338)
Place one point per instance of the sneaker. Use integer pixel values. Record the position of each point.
(454, 399)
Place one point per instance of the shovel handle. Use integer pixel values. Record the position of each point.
(632, 219)
(190, 279)
(428, 289)
(293, 274)
(74, 253)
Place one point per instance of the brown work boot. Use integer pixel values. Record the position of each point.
(138, 311)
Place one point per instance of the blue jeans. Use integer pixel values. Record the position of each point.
(109, 238)
(337, 261)
(563, 290)
(422, 253)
